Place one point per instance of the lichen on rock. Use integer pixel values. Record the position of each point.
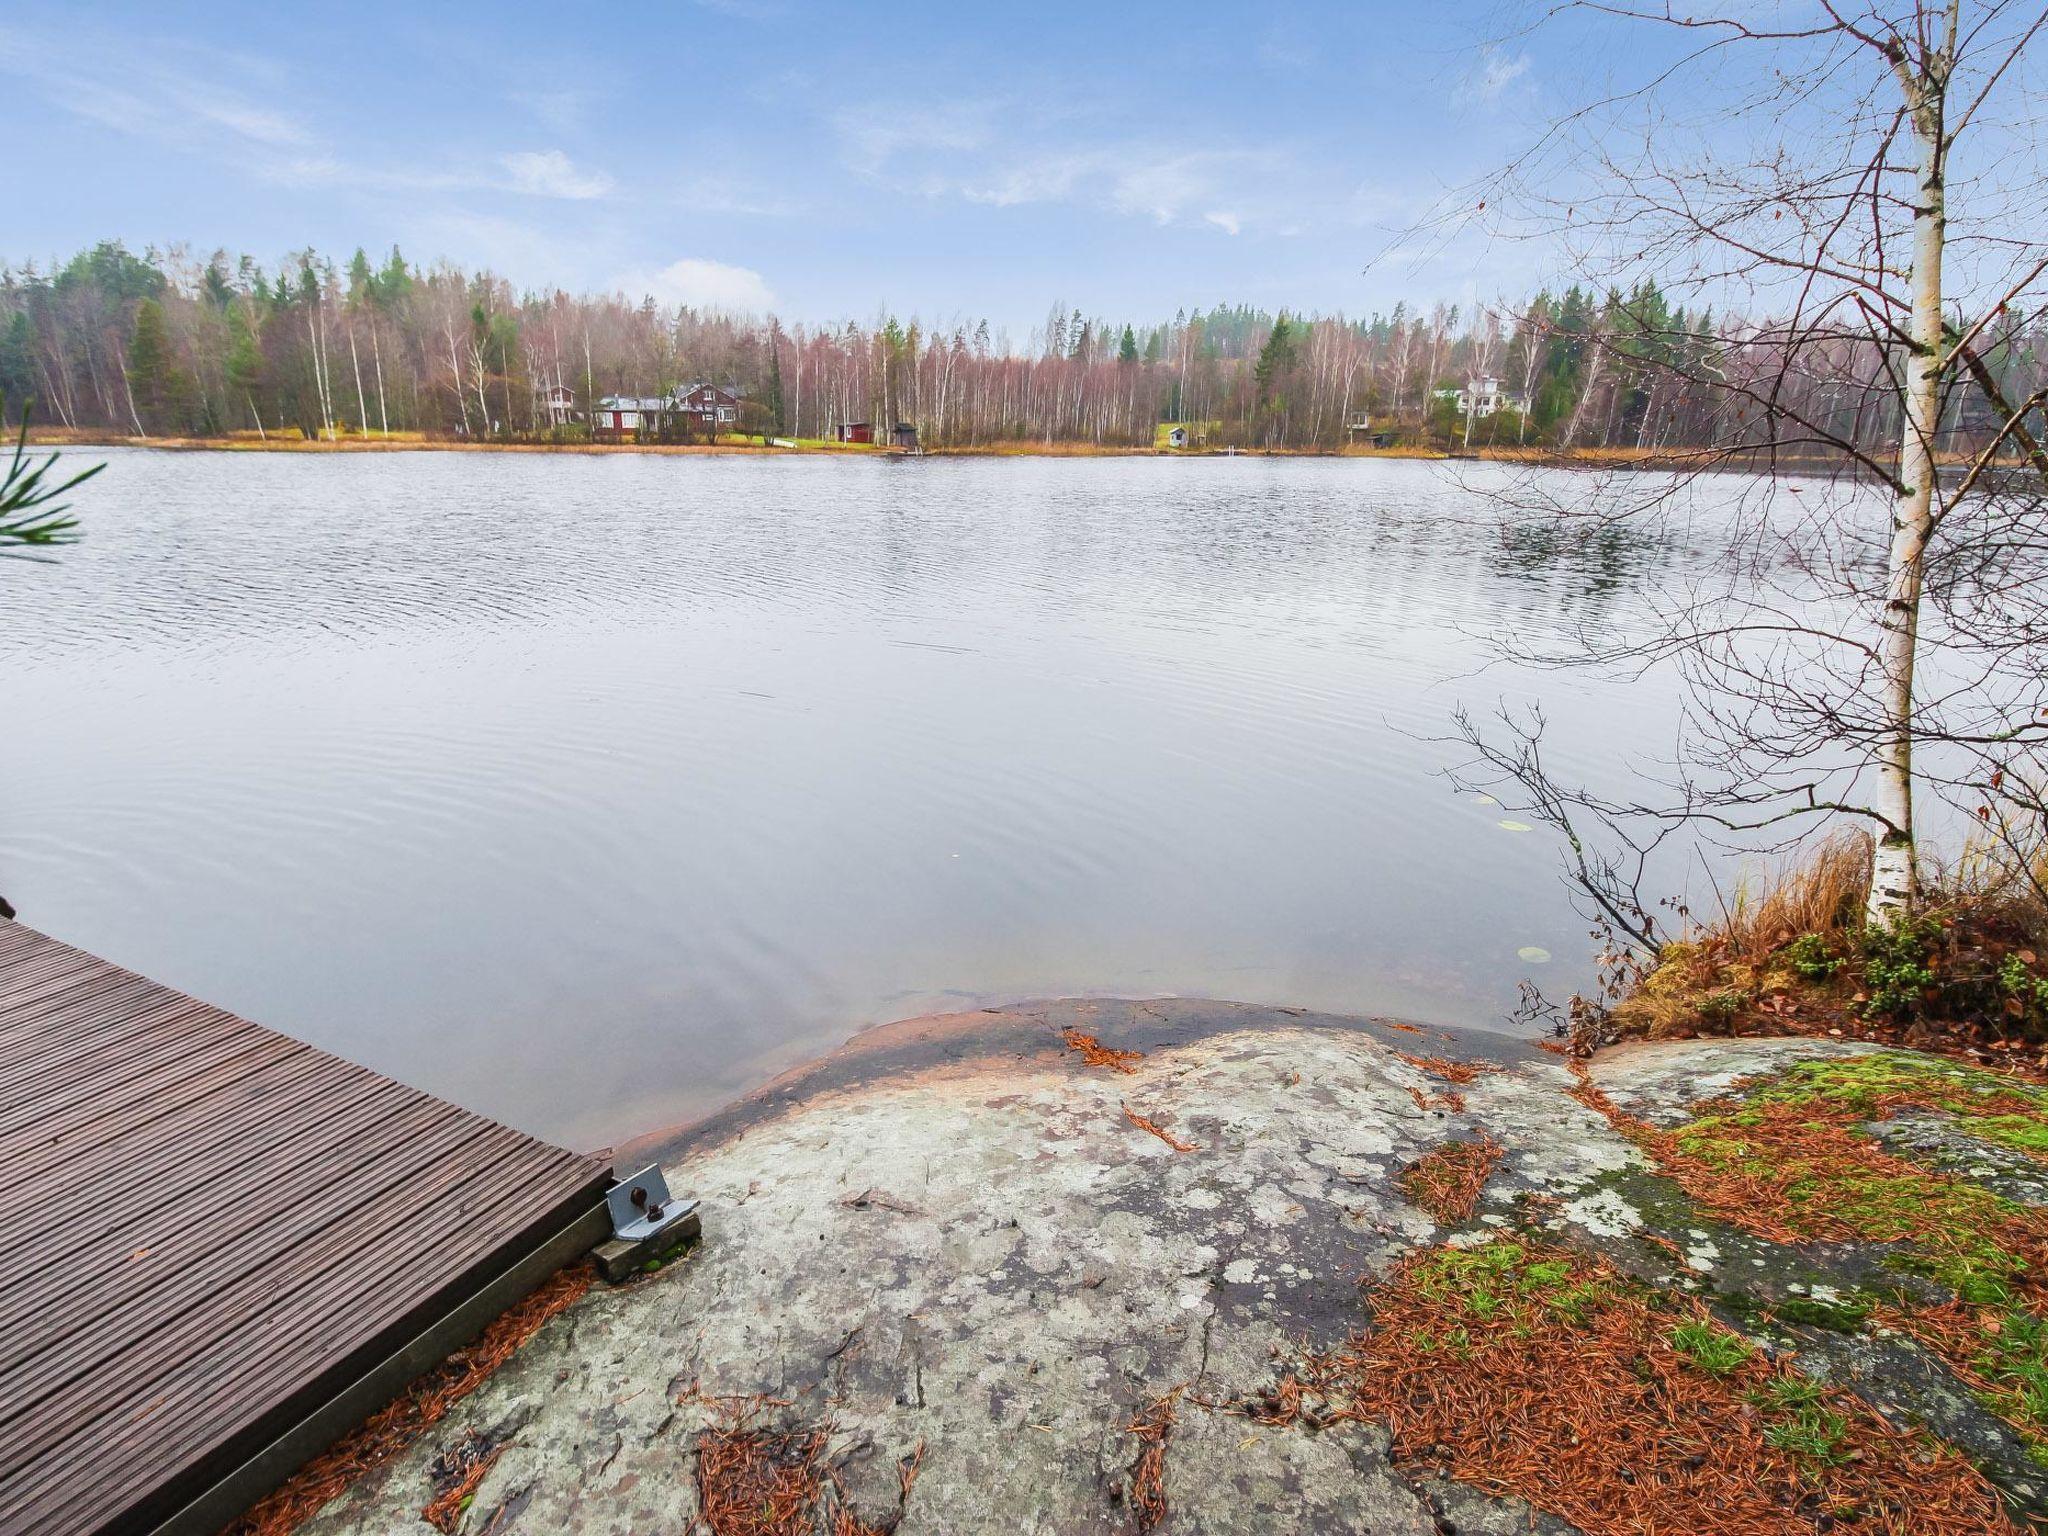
(955, 1238)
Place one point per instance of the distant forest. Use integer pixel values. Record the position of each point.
(166, 345)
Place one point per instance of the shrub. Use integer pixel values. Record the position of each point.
(1813, 958)
(1898, 968)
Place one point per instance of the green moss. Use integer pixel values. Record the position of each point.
(1797, 1420)
(1858, 1084)
(2015, 1362)
(1714, 1350)
(1499, 1279)
(1845, 1316)
(2022, 1133)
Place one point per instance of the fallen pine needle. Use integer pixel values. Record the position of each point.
(1459, 1072)
(1449, 1099)
(1447, 1181)
(1164, 1135)
(1096, 1054)
(1542, 1373)
(1151, 1425)
(420, 1406)
(458, 1474)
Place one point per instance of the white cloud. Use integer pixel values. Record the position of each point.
(550, 173)
(1010, 153)
(257, 124)
(703, 284)
(141, 94)
(561, 110)
(872, 134)
(1494, 72)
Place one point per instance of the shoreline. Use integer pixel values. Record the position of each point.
(60, 438)
(1012, 1035)
(1044, 1265)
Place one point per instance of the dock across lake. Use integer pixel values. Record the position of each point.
(221, 1248)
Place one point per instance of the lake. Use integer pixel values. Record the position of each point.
(590, 791)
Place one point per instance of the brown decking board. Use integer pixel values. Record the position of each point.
(278, 1223)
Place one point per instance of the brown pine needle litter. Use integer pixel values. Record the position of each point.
(422, 1405)
(1096, 1054)
(1158, 1130)
(1459, 1072)
(1152, 1425)
(1545, 1374)
(1449, 1099)
(1447, 1180)
(1789, 1159)
(754, 1479)
(458, 1473)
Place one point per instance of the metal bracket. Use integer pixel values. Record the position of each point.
(642, 1207)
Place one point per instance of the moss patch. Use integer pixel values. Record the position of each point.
(1791, 1159)
(1543, 1373)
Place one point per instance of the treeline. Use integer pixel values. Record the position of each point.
(163, 344)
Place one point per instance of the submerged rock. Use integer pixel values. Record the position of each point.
(958, 1279)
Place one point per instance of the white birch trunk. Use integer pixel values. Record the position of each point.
(356, 362)
(377, 352)
(1894, 875)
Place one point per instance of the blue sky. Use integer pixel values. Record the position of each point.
(825, 161)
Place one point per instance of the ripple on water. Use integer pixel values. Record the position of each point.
(587, 789)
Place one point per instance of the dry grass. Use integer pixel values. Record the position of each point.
(422, 1405)
(1447, 1181)
(1822, 892)
(1791, 956)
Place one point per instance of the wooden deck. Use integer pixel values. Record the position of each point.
(220, 1246)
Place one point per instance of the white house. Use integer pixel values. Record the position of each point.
(1482, 396)
(555, 404)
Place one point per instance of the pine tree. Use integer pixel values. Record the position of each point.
(219, 288)
(362, 282)
(1127, 350)
(1276, 358)
(18, 360)
(153, 373)
(394, 281)
(245, 363)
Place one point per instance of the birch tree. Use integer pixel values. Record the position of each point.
(1798, 163)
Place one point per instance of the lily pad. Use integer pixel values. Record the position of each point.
(1535, 954)
(1516, 826)
(1486, 800)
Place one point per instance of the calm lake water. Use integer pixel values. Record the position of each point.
(591, 791)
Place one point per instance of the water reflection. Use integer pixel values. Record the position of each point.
(590, 791)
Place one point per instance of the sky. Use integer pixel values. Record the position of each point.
(823, 162)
